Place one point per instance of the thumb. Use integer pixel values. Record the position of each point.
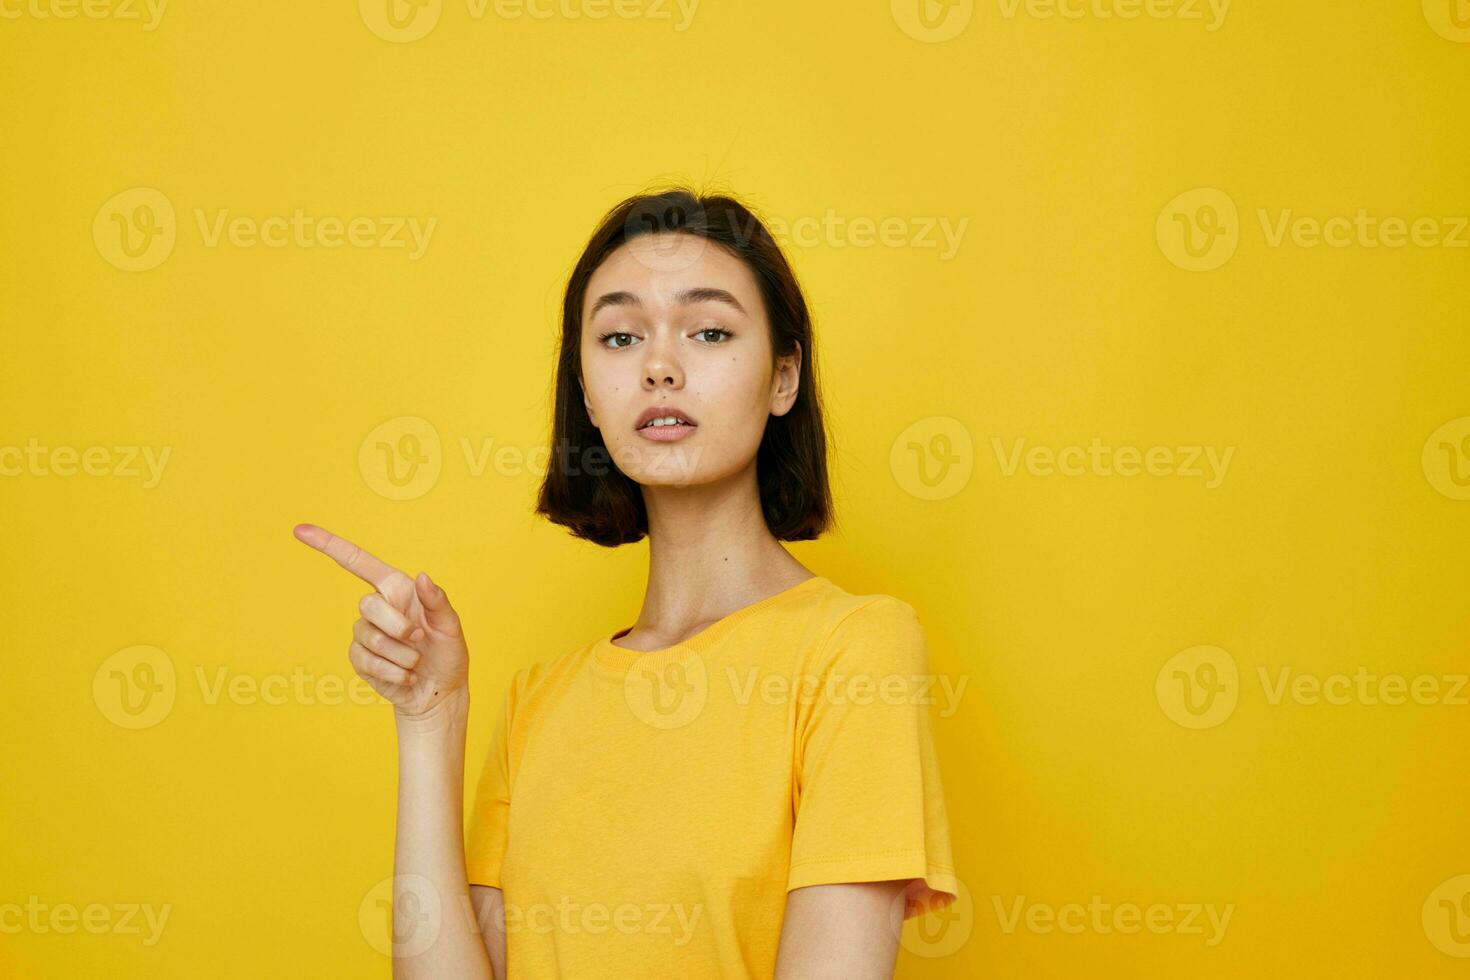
(439, 614)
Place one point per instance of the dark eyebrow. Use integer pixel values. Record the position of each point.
(708, 294)
(695, 294)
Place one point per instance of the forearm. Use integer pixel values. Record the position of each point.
(434, 922)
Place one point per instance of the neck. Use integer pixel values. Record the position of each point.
(710, 553)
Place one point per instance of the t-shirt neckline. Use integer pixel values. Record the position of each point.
(613, 657)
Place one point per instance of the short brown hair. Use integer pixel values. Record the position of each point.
(597, 501)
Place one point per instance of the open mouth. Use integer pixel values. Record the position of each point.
(665, 422)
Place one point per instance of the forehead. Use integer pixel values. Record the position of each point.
(655, 267)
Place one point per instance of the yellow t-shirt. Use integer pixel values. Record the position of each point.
(645, 813)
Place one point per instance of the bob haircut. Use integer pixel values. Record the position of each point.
(595, 500)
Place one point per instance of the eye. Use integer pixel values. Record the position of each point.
(716, 330)
(614, 333)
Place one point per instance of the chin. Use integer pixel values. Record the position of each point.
(665, 464)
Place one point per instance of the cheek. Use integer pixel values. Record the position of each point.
(738, 397)
(603, 389)
(735, 380)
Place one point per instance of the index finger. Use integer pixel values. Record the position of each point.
(357, 561)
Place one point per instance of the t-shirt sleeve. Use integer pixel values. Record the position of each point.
(870, 805)
(488, 820)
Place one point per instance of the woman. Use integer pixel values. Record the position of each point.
(740, 784)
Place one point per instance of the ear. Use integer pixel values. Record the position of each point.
(786, 381)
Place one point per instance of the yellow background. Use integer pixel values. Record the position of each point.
(1332, 543)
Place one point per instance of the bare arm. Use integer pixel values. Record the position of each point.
(490, 914)
(428, 857)
(845, 931)
(410, 647)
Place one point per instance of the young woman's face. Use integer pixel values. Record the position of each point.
(674, 324)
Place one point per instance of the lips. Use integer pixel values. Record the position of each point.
(664, 411)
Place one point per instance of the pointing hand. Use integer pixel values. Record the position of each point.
(408, 643)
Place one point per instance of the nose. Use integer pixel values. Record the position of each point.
(655, 378)
(661, 368)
